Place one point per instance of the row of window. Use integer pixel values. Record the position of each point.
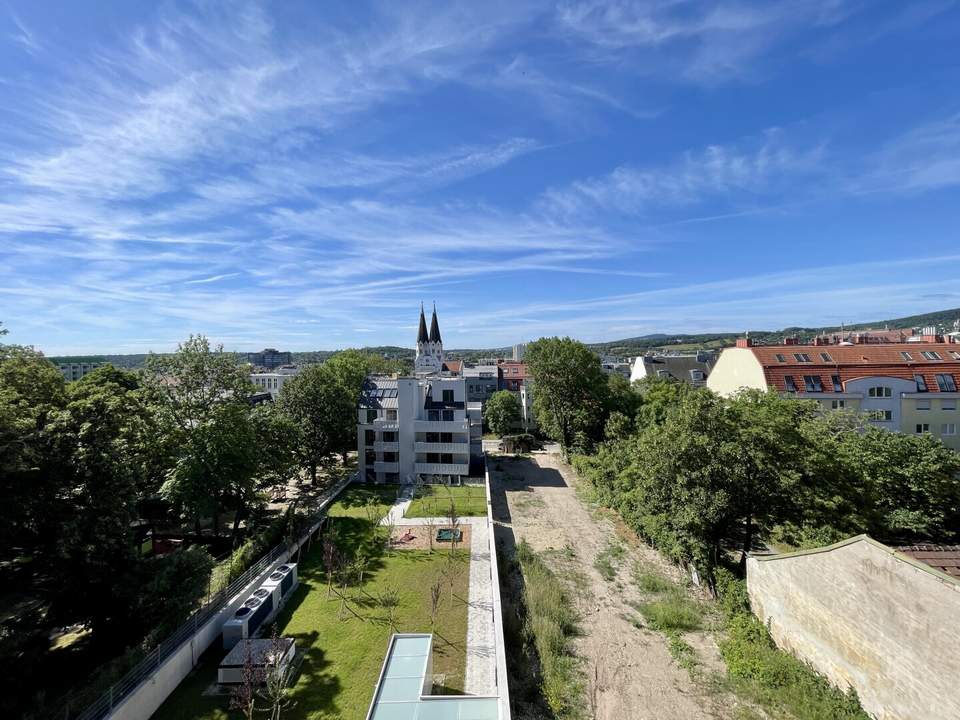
(945, 428)
(945, 382)
(802, 357)
(812, 383)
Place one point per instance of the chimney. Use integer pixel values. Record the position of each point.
(821, 340)
(744, 342)
(791, 341)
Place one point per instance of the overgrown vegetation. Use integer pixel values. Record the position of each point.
(551, 623)
(776, 680)
(608, 559)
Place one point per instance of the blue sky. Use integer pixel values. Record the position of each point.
(302, 175)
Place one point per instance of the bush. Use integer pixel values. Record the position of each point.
(651, 582)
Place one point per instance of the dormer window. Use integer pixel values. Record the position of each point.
(931, 355)
(946, 383)
(825, 356)
(789, 383)
(781, 358)
(802, 357)
(921, 383)
(812, 383)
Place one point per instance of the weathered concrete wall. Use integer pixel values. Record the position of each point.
(868, 618)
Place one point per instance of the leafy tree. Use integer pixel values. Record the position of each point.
(177, 584)
(657, 397)
(324, 409)
(503, 412)
(622, 397)
(349, 369)
(569, 390)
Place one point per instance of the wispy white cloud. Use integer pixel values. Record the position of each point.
(23, 37)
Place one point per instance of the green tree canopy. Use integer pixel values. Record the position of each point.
(503, 412)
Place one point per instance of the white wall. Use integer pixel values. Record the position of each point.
(736, 369)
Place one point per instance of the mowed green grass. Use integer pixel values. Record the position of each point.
(434, 501)
(359, 501)
(343, 655)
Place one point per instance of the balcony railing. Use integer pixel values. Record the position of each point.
(460, 448)
(387, 467)
(440, 426)
(381, 446)
(384, 424)
(442, 468)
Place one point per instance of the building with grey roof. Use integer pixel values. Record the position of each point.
(691, 369)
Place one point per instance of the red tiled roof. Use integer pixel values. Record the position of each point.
(945, 558)
(851, 362)
(452, 365)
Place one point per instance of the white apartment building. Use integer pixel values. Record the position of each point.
(418, 428)
(273, 382)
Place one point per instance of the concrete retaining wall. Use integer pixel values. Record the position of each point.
(869, 618)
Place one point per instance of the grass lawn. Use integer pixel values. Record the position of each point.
(359, 501)
(434, 501)
(343, 653)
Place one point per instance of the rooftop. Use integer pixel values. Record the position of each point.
(945, 558)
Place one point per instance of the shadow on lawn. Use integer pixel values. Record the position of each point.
(316, 694)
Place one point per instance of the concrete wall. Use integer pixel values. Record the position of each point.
(869, 618)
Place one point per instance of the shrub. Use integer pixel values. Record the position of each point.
(676, 613)
(651, 582)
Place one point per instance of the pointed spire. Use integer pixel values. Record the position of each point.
(422, 332)
(434, 326)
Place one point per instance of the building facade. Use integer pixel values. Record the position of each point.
(76, 370)
(910, 387)
(269, 358)
(422, 428)
(273, 382)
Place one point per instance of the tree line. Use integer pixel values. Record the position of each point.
(86, 465)
(699, 476)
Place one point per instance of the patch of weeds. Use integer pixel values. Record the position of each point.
(673, 613)
(568, 552)
(604, 562)
(652, 582)
(681, 651)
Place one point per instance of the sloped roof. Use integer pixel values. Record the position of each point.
(422, 331)
(945, 558)
(852, 362)
(434, 327)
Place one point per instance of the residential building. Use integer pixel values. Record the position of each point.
(613, 365)
(269, 358)
(273, 382)
(519, 350)
(691, 369)
(420, 428)
(908, 387)
(511, 374)
(482, 382)
(75, 370)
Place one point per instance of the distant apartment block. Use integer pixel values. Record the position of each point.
(691, 369)
(482, 382)
(269, 358)
(519, 350)
(75, 370)
(910, 387)
(422, 428)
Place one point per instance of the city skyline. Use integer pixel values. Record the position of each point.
(273, 176)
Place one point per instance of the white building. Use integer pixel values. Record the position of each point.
(273, 382)
(691, 369)
(418, 428)
(76, 370)
(519, 350)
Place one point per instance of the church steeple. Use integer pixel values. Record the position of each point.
(422, 332)
(434, 327)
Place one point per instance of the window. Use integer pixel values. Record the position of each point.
(923, 404)
(433, 415)
(882, 415)
(931, 355)
(825, 356)
(837, 385)
(789, 383)
(390, 457)
(446, 458)
(921, 383)
(371, 415)
(448, 415)
(389, 437)
(812, 383)
(781, 358)
(922, 428)
(696, 375)
(955, 355)
(392, 415)
(448, 396)
(515, 370)
(838, 404)
(946, 383)
(948, 404)
(369, 437)
(880, 391)
(906, 356)
(802, 357)
(948, 429)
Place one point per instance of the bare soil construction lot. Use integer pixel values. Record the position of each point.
(629, 670)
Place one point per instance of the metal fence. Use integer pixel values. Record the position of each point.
(154, 659)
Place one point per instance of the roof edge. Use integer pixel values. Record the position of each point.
(903, 557)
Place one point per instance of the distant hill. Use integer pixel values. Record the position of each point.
(944, 320)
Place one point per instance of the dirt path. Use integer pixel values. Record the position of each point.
(630, 671)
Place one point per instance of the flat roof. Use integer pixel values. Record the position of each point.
(400, 691)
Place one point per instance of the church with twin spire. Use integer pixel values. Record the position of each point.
(429, 357)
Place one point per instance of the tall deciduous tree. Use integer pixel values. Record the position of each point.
(503, 412)
(569, 390)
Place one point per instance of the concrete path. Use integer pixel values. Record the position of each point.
(399, 508)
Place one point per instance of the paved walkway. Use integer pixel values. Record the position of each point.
(399, 508)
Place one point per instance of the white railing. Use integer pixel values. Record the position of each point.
(503, 688)
(381, 446)
(426, 426)
(442, 468)
(387, 467)
(460, 448)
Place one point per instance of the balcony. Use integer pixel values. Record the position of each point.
(442, 468)
(386, 467)
(384, 424)
(381, 446)
(440, 426)
(459, 448)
